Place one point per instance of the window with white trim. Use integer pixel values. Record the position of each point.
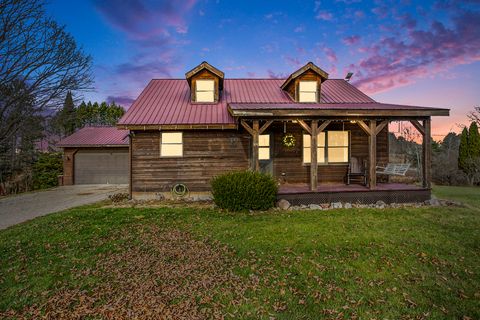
(264, 147)
(205, 90)
(171, 144)
(332, 147)
(307, 91)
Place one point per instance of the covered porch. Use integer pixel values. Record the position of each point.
(322, 180)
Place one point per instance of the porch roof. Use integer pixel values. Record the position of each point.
(332, 110)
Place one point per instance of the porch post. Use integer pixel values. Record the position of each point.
(256, 129)
(313, 160)
(372, 155)
(427, 154)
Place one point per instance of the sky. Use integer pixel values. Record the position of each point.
(423, 53)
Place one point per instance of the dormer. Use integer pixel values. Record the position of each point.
(206, 83)
(304, 85)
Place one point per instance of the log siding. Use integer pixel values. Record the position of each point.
(205, 154)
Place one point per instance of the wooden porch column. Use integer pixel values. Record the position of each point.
(372, 155)
(255, 131)
(256, 162)
(313, 160)
(427, 153)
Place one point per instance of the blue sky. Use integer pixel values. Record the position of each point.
(411, 52)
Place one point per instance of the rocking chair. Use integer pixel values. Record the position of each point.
(357, 171)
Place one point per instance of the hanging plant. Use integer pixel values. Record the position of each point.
(288, 140)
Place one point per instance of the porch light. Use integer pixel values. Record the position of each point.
(353, 121)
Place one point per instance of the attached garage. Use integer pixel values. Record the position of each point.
(96, 155)
(101, 166)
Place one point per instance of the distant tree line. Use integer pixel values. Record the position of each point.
(71, 118)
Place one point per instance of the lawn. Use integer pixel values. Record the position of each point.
(196, 262)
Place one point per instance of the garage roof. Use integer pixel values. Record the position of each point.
(96, 137)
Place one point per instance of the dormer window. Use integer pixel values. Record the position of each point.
(206, 83)
(304, 85)
(205, 91)
(307, 91)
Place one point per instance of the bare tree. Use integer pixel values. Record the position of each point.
(475, 115)
(38, 56)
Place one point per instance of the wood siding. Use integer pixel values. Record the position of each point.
(205, 154)
(68, 158)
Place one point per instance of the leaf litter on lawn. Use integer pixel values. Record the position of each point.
(158, 274)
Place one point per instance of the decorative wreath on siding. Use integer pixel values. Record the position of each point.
(288, 140)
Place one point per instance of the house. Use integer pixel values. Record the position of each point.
(304, 130)
(95, 155)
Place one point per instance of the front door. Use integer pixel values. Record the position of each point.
(265, 153)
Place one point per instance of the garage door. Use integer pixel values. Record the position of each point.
(101, 167)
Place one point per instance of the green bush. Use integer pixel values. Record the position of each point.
(46, 170)
(244, 190)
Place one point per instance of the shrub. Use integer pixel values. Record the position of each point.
(244, 190)
(46, 170)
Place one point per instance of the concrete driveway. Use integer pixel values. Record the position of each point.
(19, 208)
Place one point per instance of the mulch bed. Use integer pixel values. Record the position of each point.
(157, 274)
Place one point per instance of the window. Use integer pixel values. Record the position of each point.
(171, 144)
(332, 147)
(307, 91)
(307, 142)
(205, 91)
(264, 147)
(337, 146)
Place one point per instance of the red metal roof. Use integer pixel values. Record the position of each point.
(96, 137)
(167, 101)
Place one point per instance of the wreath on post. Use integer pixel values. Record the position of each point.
(288, 140)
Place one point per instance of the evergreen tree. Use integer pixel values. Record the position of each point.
(473, 140)
(463, 152)
(69, 115)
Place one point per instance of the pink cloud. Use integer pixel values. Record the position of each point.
(393, 62)
(381, 11)
(276, 75)
(140, 19)
(351, 40)
(359, 14)
(331, 56)
(324, 15)
(295, 62)
(151, 27)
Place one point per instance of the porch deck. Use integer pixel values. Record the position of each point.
(300, 193)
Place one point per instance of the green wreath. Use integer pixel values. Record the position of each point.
(288, 140)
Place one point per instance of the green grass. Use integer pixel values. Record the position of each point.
(384, 264)
(467, 195)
